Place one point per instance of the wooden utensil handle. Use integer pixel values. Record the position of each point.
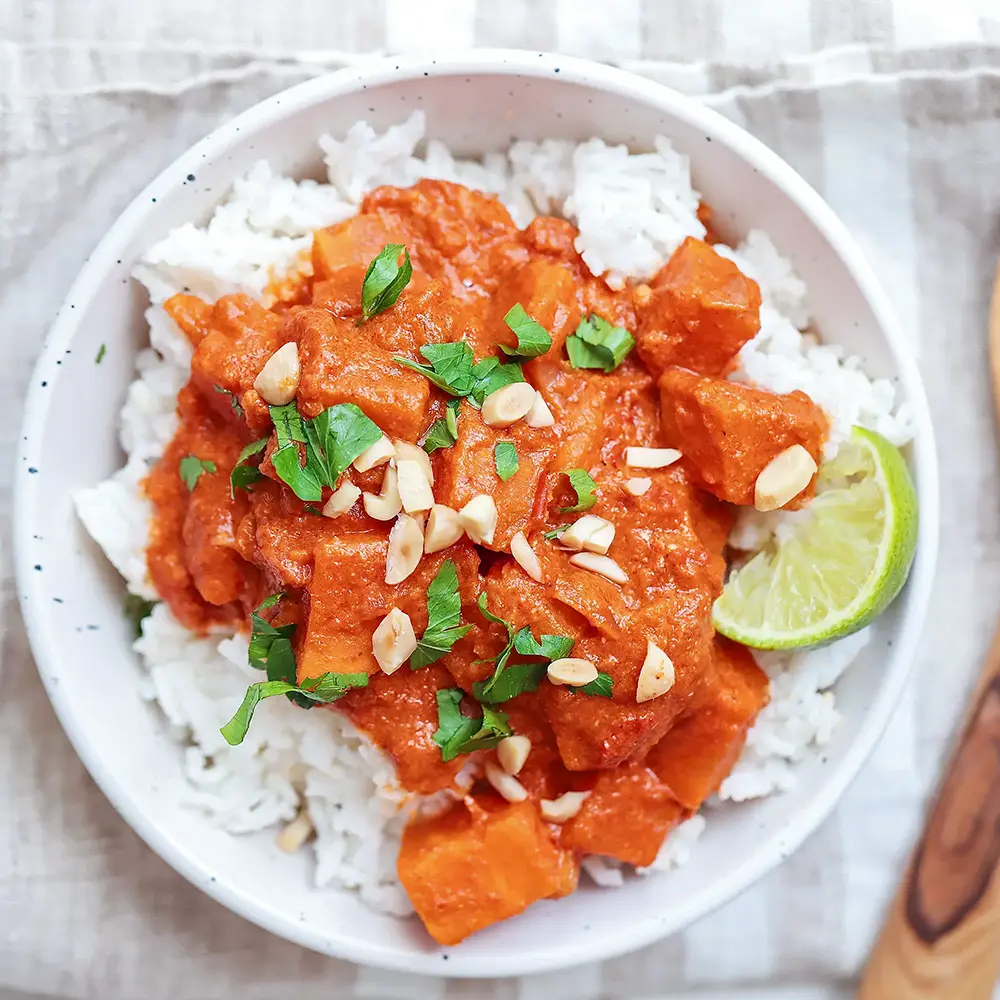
(942, 937)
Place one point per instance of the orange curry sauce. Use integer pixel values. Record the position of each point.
(214, 556)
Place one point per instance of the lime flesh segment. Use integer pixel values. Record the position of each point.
(835, 566)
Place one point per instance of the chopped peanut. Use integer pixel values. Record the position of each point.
(508, 405)
(387, 504)
(506, 784)
(381, 451)
(524, 556)
(539, 415)
(444, 528)
(278, 380)
(656, 676)
(393, 641)
(651, 458)
(601, 565)
(784, 478)
(571, 671)
(414, 488)
(513, 752)
(406, 546)
(564, 808)
(479, 519)
(342, 499)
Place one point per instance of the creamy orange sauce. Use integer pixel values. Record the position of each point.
(214, 556)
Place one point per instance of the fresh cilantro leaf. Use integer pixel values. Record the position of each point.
(453, 727)
(444, 612)
(598, 344)
(332, 440)
(492, 730)
(233, 401)
(137, 610)
(245, 475)
(513, 680)
(320, 690)
(102, 350)
(532, 338)
(384, 280)
(337, 436)
(584, 487)
(457, 733)
(450, 366)
(503, 656)
(555, 532)
(489, 616)
(263, 636)
(552, 647)
(489, 375)
(600, 688)
(443, 433)
(190, 469)
(505, 455)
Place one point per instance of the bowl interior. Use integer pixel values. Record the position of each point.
(72, 598)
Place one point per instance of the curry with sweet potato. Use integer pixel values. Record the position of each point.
(448, 499)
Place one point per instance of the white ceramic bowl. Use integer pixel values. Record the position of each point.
(72, 599)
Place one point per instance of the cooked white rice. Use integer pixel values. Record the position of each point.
(632, 211)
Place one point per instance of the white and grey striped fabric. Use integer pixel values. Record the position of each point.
(891, 108)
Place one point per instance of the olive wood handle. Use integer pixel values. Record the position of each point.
(941, 938)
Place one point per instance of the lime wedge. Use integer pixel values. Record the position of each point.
(835, 566)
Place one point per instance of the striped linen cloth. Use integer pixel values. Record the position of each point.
(891, 108)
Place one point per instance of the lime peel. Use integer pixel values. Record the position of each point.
(835, 570)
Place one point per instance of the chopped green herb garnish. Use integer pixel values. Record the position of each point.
(190, 469)
(599, 688)
(444, 612)
(515, 679)
(264, 638)
(311, 508)
(233, 401)
(450, 366)
(489, 375)
(457, 733)
(505, 455)
(552, 647)
(137, 610)
(384, 280)
(443, 433)
(555, 532)
(320, 690)
(532, 338)
(244, 475)
(337, 436)
(503, 656)
(102, 350)
(332, 441)
(584, 487)
(598, 344)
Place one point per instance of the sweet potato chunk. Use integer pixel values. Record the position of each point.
(399, 713)
(548, 294)
(695, 756)
(729, 432)
(468, 469)
(241, 335)
(451, 231)
(349, 597)
(701, 312)
(626, 816)
(473, 866)
(340, 364)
